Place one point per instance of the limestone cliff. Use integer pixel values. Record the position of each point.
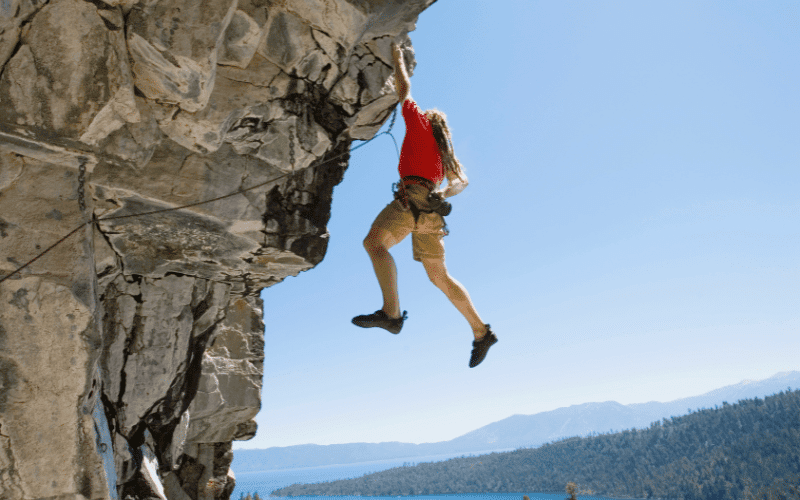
(131, 353)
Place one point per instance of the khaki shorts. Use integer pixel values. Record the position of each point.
(427, 233)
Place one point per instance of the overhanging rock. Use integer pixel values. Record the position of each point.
(131, 355)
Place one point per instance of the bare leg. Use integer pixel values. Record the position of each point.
(455, 291)
(377, 243)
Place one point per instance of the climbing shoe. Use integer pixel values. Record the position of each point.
(481, 347)
(381, 320)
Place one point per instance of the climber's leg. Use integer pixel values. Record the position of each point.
(455, 291)
(391, 225)
(377, 243)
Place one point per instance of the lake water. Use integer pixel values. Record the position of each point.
(264, 482)
(267, 481)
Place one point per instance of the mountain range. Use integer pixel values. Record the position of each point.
(516, 431)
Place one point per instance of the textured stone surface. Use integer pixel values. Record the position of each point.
(44, 361)
(175, 45)
(131, 355)
(70, 74)
(229, 390)
(242, 37)
(12, 14)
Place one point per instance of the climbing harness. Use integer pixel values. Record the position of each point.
(422, 181)
(400, 194)
(435, 201)
(95, 219)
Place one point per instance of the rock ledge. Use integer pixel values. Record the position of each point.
(131, 356)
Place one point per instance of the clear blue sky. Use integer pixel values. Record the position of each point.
(631, 229)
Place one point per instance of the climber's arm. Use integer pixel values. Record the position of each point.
(454, 185)
(400, 74)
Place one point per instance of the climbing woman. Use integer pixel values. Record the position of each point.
(426, 159)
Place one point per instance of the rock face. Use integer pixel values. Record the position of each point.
(131, 354)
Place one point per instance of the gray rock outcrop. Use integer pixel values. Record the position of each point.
(131, 354)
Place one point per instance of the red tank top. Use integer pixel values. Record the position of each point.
(420, 154)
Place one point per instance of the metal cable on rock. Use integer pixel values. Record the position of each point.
(82, 169)
(389, 131)
(41, 254)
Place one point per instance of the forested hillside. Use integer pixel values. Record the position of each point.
(747, 450)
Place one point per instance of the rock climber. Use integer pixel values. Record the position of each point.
(426, 158)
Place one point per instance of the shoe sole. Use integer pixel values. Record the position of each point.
(389, 328)
(482, 357)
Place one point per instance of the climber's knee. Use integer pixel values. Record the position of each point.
(436, 270)
(378, 239)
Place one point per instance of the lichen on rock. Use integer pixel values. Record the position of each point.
(131, 354)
